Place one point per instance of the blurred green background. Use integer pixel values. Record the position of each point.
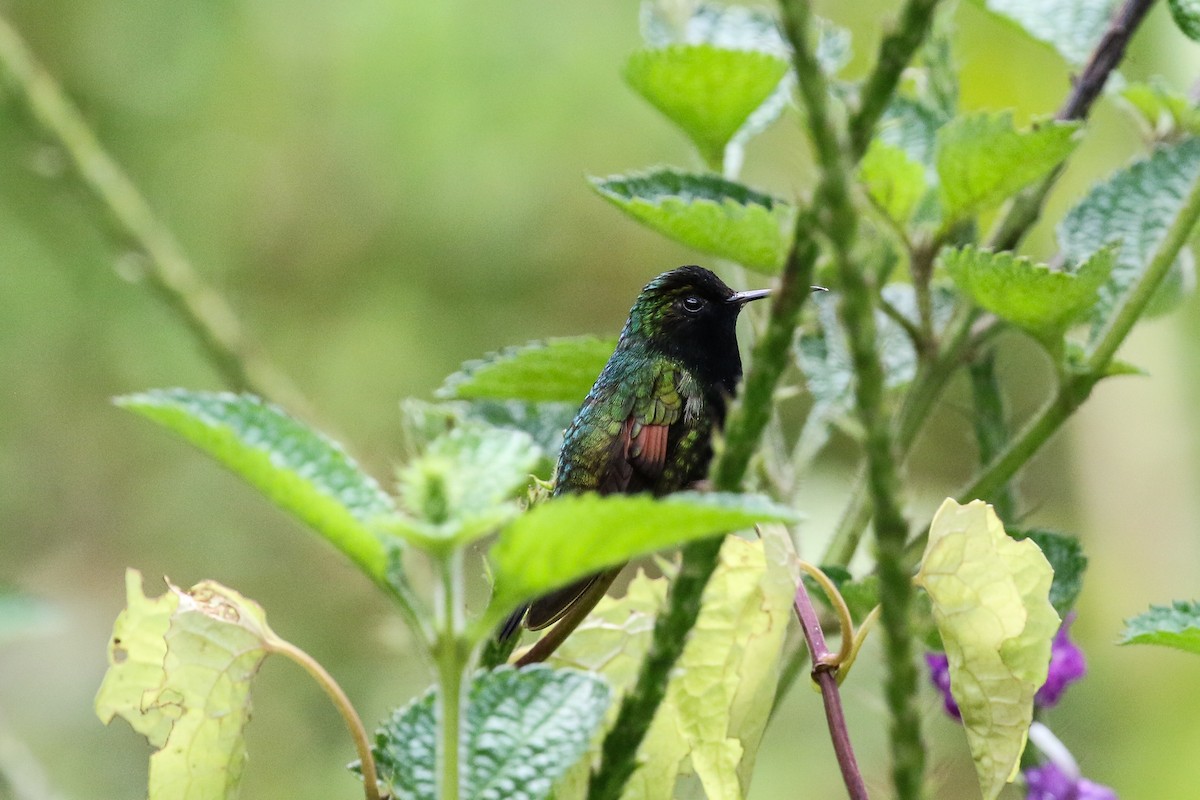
(383, 189)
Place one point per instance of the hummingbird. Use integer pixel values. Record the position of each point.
(648, 422)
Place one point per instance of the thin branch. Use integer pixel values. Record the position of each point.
(824, 672)
(358, 732)
(1105, 58)
(168, 271)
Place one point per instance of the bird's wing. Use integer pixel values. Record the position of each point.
(634, 463)
(639, 452)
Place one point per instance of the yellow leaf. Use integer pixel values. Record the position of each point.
(713, 717)
(991, 604)
(179, 672)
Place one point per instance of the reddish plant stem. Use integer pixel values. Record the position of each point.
(824, 672)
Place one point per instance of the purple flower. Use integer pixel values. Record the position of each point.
(1050, 782)
(1067, 665)
(939, 674)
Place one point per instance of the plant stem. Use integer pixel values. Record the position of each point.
(824, 672)
(362, 742)
(895, 51)
(839, 223)
(168, 271)
(451, 665)
(991, 427)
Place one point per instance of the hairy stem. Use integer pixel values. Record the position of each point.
(895, 51)
(857, 313)
(168, 272)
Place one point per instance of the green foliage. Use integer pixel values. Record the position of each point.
(180, 667)
(708, 91)
(576, 535)
(1066, 558)
(457, 489)
(1163, 111)
(982, 160)
(523, 729)
(706, 212)
(1035, 298)
(894, 181)
(1134, 209)
(298, 469)
(1186, 14)
(1072, 27)
(1176, 625)
(991, 604)
(555, 370)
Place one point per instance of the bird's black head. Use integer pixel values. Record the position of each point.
(690, 314)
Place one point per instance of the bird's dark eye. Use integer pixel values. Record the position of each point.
(692, 304)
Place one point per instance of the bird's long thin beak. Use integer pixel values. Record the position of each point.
(741, 298)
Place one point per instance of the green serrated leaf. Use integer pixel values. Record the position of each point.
(576, 535)
(707, 91)
(1072, 27)
(553, 370)
(912, 126)
(716, 706)
(297, 468)
(894, 181)
(991, 604)
(1134, 209)
(422, 422)
(457, 489)
(733, 27)
(1176, 625)
(179, 672)
(982, 160)
(1031, 296)
(522, 730)
(736, 27)
(1186, 14)
(1066, 557)
(706, 212)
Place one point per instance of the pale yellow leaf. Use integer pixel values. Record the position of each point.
(712, 719)
(179, 672)
(990, 596)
